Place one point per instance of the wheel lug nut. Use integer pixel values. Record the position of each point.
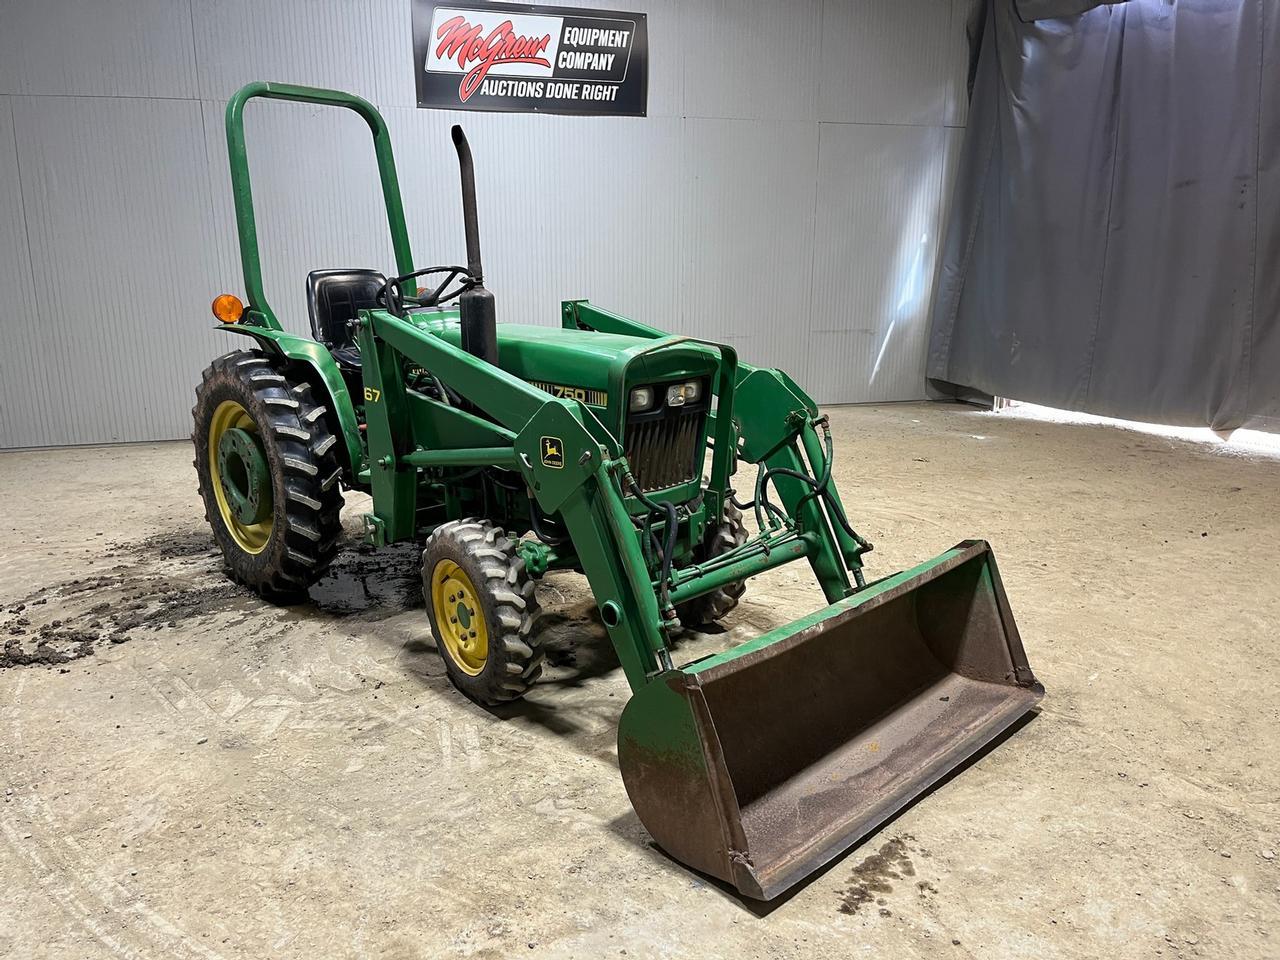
(453, 619)
(473, 633)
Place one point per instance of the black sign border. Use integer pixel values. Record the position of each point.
(423, 12)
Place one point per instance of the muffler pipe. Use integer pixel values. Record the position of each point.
(476, 306)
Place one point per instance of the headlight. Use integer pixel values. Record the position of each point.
(641, 399)
(681, 393)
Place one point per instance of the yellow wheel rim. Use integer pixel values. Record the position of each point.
(249, 537)
(459, 617)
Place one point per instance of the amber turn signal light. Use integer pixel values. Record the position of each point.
(227, 307)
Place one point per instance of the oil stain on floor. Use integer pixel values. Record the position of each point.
(871, 879)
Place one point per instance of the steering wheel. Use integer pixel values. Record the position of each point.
(393, 298)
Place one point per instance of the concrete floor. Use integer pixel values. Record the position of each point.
(237, 780)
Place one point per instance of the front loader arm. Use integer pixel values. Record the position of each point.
(776, 421)
(394, 452)
(502, 395)
(569, 472)
(575, 480)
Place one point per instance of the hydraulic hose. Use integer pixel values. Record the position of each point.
(668, 548)
(754, 505)
(817, 489)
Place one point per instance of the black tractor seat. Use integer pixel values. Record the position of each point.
(333, 297)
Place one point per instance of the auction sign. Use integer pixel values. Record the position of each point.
(516, 57)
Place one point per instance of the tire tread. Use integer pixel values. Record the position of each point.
(301, 446)
(497, 571)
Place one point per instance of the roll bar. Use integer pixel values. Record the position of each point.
(259, 311)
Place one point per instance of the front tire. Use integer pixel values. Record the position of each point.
(483, 610)
(711, 607)
(268, 474)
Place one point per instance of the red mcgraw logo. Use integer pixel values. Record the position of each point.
(461, 41)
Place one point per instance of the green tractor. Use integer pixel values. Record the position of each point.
(611, 448)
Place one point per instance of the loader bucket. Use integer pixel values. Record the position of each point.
(761, 764)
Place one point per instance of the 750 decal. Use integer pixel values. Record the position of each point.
(594, 398)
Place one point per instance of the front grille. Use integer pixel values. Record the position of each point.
(663, 449)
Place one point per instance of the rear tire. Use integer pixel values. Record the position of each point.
(712, 607)
(248, 410)
(483, 611)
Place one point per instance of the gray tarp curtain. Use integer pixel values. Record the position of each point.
(1114, 243)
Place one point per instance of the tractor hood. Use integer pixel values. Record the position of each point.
(596, 368)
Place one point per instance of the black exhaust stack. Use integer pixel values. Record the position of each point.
(479, 319)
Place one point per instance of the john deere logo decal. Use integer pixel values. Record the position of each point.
(552, 452)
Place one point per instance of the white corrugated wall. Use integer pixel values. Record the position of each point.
(785, 193)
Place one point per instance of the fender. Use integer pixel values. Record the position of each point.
(314, 355)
